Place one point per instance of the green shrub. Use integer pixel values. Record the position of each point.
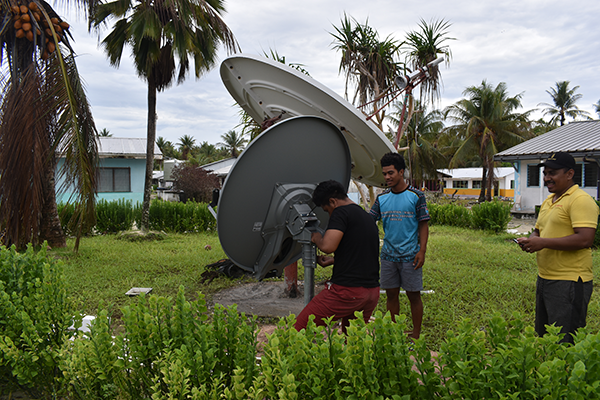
(114, 216)
(449, 214)
(166, 347)
(35, 316)
(491, 215)
(65, 212)
(178, 217)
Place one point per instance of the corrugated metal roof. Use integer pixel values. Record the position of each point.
(466, 173)
(580, 138)
(125, 147)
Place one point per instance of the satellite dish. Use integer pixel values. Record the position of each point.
(265, 214)
(268, 89)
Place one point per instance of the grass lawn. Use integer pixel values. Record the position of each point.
(473, 273)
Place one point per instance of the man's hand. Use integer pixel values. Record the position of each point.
(580, 239)
(325, 261)
(419, 259)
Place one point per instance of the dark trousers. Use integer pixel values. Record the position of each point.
(563, 303)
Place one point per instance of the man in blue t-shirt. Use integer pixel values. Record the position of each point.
(403, 211)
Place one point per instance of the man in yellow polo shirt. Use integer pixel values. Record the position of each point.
(563, 236)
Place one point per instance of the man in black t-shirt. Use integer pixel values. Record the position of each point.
(353, 237)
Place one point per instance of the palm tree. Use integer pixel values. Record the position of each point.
(43, 111)
(422, 152)
(233, 143)
(370, 63)
(164, 35)
(104, 133)
(489, 124)
(563, 103)
(424, 46)
(186, 144)
(597, 108)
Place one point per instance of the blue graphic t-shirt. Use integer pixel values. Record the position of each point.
(400, 214)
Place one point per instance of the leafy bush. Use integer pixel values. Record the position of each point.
(167, 349)
(492, 216)
(178, 217)
(449, 214)
(65, 212)
(196, 183)
(114, 216)
(35, 316)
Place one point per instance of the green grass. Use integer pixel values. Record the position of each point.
(473, 274)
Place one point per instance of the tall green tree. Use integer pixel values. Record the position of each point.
(104, 133)
(488, 122)
(422, 152)
(563, 103)
(186, 145)
(43, 112)
(233, 143)
(597, 108)
(164, 36)
(367, 62)
(424, 46)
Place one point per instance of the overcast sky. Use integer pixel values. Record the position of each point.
(528, 44)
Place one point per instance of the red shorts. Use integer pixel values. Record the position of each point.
(340, 302)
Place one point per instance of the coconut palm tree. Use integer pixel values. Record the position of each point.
(105, 133)
(563, 103)
(165, 36)
(489, 124)
(597, 108)
(422, 152)
(233, 143)
(186, 144)
(43, 111)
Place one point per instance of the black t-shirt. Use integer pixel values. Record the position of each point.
(357, 256)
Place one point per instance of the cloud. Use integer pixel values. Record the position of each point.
(530, 45)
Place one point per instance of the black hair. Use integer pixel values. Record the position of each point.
(328, 190)
(394, 159)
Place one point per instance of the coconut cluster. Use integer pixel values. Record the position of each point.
(31, 23)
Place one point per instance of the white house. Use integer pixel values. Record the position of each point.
(580, 139)
(467, 181)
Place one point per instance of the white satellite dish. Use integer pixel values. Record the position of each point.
(268, 89)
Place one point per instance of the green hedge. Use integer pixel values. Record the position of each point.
(177, 349)
(494, 215)
(178, 217)
(117, 216)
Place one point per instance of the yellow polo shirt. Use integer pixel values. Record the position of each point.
(574, 209)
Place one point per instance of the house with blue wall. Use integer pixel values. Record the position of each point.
(581, 139)
(121, 170)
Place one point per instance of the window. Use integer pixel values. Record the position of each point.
(114, 180)
(590, 175)
(533, 175)
(512, 183)
(460, 184)
(476, 184)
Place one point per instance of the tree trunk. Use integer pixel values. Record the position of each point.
(50, 228)
(145, 225)
(481, 198)
(490, 182)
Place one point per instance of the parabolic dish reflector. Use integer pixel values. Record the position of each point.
(265, 89)
(295, 154)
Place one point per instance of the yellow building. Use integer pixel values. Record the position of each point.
(466, 182)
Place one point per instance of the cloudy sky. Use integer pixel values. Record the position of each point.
(528, 44)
